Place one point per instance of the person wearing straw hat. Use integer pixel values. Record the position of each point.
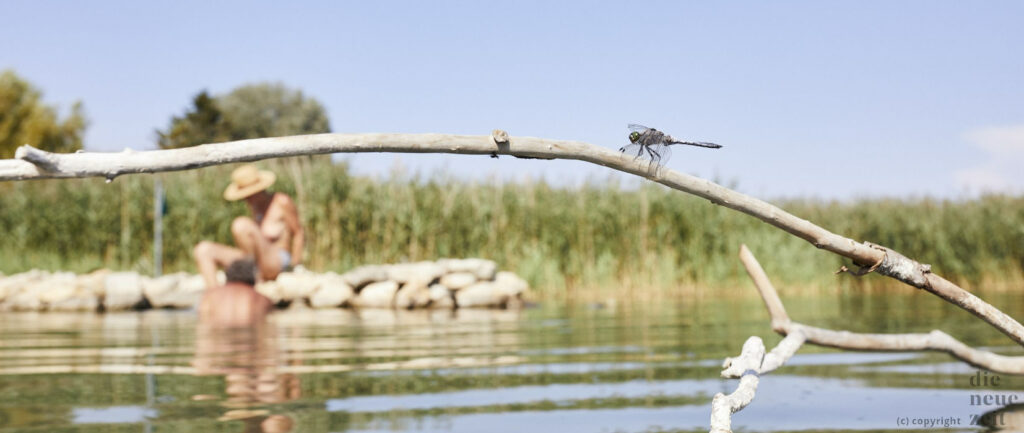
(273, 236)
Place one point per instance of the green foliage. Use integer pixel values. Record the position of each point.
(250, 111)
(272, 110)
(204, 123)
(603, 237)
(24, 119)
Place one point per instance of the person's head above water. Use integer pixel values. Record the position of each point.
(246, 181)
(242, 271)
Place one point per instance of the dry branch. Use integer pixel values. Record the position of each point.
(745, 366)
(932, 341)
(751, 363)
(32, 163)
(796, 334)
(781, 353)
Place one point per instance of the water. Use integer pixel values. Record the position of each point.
(592, 368)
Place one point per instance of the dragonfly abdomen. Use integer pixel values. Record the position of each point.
(698, 144)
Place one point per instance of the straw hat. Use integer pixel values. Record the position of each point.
(246, 181)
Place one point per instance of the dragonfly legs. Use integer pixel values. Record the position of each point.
(655, 160)
(652, 154)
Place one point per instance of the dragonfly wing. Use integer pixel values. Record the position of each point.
(661, 152)
(634, 150)
(637, 128)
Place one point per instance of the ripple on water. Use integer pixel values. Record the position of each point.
(550, 369)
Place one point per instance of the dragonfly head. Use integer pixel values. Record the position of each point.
(634, 137)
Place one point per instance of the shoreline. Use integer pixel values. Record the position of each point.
(442, 284)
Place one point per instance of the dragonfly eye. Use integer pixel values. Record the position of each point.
(634, 136)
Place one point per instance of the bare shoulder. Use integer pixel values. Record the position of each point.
(283, 200)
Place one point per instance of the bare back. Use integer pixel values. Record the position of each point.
(233, 305)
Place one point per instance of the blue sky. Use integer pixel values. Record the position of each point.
(825, 99)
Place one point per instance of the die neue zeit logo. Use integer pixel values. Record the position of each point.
(990, 394)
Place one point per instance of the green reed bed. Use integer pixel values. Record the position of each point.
(604, 238)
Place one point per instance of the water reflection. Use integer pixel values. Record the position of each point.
(644, 368)
(1006, 419)
(248, 354)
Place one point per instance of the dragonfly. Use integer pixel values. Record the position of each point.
(654, 145)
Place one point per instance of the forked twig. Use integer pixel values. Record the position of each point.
(722, 407)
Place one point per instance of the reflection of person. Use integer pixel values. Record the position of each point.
(233, 339)
(273, 236)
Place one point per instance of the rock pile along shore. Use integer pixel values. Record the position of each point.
(446, 283)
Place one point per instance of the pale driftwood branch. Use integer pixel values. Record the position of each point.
(932, 341)
(781, 353)
(33, 163)
(749, 360)
(772, 303)
(745, 366)
(796, 334)
(735, 367)
(751, 363)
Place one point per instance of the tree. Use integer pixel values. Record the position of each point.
(250, 111)
(204, 123)
(24, 119)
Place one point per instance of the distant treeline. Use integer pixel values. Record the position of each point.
(593, 240)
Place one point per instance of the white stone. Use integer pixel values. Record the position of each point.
(122, 291)
(510, 285)
(24, 301)
(172, 291)
(483, 269)
(364, 275)
(74, 297)
(333, 292)
(56, 288)
(377, 295)
(192, 283)
(414, 294)
(12, 285)
(158, 286)
(32, 290)
(270, 289)
(420, 271)
(93, 282)
(486, 270)
(480, 295)
(39, 290)
(441, 297)
(297, 286)
(79, 302)
(458, 280)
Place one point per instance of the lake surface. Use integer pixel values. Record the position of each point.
(589, 368)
